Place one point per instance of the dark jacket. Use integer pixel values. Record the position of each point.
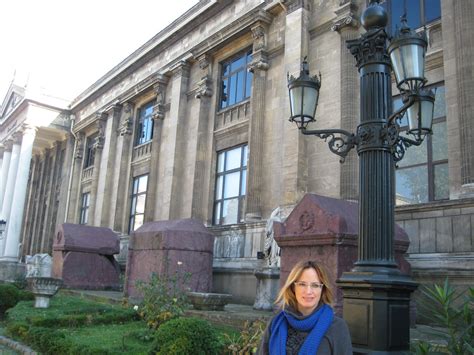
(336, 341)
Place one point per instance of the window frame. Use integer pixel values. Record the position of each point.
(243, 167)
(141, 134)
(135, 194)
(248, 76)
(430, 163)
(422, 19)
(89, 153)
(84, 210)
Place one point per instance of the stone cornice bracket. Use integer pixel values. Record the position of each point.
(293, 5)
(116, 110)
(160, 89)
(101, 121)
(125, 127)
(345, 16)
(180, 69)
(80, 136)
(204, 86)
(259, 52)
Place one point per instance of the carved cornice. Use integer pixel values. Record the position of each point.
(231, 30)
(137, 89)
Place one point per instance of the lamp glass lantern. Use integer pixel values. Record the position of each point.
(420, 114)
(407, 53)
(304, 95)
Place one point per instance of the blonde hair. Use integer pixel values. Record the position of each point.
(287, 297)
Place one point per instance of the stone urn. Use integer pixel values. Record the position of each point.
(43, 288)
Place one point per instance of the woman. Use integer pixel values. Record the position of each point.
(306, 323)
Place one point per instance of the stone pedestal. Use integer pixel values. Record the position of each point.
(268, 284)
(43, 288)
(325, 229)
(167, 248)
(83, 257)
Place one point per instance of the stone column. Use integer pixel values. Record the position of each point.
(75, 194)
(18, 204)
(463, 13)
(94, 217)
(10, 185)
(347, 26)
(199, 209)
(7, 154)
(124, 149)
(294, 161)
(169, 208)
(158, 117)
(259, 67)
(110, 152)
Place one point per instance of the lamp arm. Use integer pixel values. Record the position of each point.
(340, 142)
(401, 145)
(401, 111)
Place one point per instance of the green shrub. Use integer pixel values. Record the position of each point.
(164, 298)
(9, 297)
(455, 322)
(186, 336)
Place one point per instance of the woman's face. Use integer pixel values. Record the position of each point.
(308, 291)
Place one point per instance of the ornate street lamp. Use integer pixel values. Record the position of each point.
(304, 94)
(376, 294)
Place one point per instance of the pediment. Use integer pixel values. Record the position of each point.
(12, 99)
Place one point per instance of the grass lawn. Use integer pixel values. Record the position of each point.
(75, 325)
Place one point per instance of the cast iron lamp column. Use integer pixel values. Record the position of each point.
(376, 294)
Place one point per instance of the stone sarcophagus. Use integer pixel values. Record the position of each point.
(325, 229)
(168, 249)
(83, 256)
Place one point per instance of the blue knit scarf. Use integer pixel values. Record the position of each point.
(317, 324)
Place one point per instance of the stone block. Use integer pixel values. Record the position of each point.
(83, 257)
(462, 233)
(169, 247)
(444, 236)
(427, 235)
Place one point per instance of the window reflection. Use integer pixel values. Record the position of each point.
(230, 185)
(236, 80)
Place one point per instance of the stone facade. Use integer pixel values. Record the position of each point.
(92, 174)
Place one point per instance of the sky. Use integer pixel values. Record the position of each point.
(65, 46)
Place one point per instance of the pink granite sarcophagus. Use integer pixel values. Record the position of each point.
(169, 247)
(83, 256)
(325, 229)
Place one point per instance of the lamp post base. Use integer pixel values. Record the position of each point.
(376, 308)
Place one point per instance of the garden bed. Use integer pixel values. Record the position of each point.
(75, 325)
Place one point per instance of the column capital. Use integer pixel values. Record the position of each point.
(125, 127)
(80, 136)
(101, 123)
(29, 129)
(180, 69)
(160, 90)
(293, 5)
(259, 52)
